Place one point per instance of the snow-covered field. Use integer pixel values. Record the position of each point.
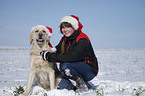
(122, 73)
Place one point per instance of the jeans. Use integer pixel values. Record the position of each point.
(72, 70)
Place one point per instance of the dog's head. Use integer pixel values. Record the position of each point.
(40, 34)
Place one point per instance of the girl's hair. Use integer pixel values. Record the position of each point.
(66, 24)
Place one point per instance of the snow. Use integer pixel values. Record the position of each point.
(122, 73)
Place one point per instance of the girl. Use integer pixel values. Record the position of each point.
(76, 56)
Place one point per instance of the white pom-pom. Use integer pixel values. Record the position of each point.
(53, 49)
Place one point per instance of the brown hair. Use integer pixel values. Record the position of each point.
(66, 24)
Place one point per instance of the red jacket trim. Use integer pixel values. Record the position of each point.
(82, 35)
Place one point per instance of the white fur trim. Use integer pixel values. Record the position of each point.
(71, 20)
(53, 49)
(37, 26)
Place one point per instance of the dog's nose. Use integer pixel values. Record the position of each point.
(40, 36)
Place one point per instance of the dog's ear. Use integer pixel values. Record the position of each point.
(31, 38)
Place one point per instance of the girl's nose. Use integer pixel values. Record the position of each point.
(65, 28)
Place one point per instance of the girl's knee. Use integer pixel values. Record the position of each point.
(68, 71)
(63, 66)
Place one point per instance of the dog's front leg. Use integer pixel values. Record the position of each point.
(52, 79)
(30, 82)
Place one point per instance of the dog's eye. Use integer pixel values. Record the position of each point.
(36, 31)
(44, 31)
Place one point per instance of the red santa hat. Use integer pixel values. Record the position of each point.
(73, 20)
(47, 29)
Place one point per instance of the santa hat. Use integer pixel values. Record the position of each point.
(47, 29)
(73, 20)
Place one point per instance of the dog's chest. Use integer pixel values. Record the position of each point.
(38, 63)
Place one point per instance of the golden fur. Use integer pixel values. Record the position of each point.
(41, 72)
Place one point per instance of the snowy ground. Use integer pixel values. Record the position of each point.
(122, 73)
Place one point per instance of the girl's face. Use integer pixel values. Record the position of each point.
(67, 31)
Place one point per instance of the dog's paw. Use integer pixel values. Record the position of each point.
(25, 94)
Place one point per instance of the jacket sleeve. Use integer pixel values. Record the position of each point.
(77, 54)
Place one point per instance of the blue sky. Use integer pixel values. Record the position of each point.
(108, 23)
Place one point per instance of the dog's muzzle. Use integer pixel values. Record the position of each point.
(40, 38)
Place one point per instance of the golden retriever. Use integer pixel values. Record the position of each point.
(41, 72)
